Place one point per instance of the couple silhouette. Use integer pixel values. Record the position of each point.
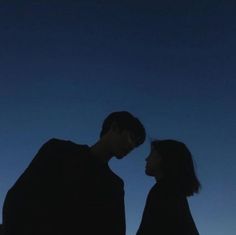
(69, 188)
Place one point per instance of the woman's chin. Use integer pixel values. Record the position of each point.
(147, 172)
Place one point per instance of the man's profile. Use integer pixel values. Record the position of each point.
(69, 188)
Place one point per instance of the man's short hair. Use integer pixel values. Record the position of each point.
(125, 121)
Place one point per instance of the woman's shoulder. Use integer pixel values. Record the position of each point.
(167, 192)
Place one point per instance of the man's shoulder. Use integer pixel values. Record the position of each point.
(58, 148)
(56, 141)
(66, 144)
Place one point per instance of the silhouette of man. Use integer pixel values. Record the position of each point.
(1, 232)
(69, 188)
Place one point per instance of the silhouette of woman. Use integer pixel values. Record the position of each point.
(167, 211)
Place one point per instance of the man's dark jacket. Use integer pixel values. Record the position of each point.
(65, 190)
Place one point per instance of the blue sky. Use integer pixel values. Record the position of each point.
(66, 65)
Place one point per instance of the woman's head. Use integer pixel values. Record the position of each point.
(171, 160)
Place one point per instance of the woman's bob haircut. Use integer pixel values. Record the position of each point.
(177, 165)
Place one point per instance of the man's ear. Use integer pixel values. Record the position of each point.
(115, 127)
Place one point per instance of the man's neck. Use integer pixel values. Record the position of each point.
(101, 152)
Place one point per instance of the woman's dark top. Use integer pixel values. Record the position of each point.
(166, 213)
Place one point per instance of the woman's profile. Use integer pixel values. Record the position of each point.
(167, 211)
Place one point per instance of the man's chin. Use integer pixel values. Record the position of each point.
(120, 156)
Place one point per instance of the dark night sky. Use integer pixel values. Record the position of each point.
(64, 65)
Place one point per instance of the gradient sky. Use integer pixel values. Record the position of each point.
(65, 65)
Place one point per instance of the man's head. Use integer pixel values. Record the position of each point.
(125, 132)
